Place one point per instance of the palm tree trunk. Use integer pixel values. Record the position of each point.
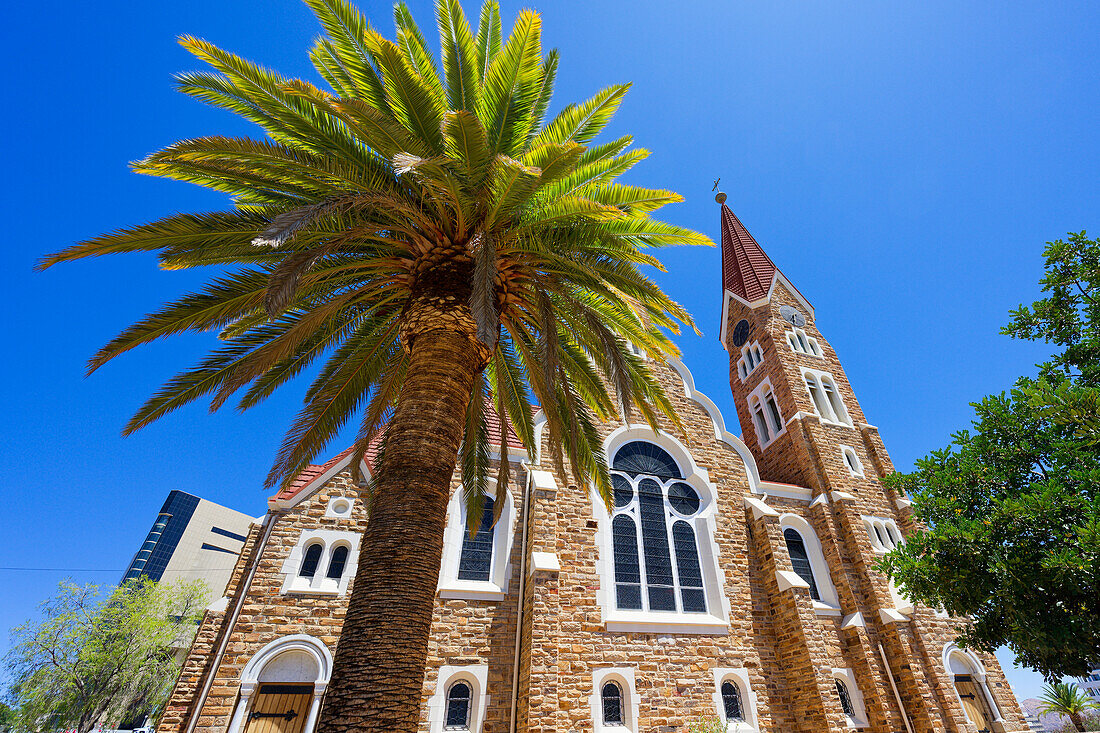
(378, 672)
(1078, 721)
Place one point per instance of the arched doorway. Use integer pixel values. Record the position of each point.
(969, 679)
(282, 686)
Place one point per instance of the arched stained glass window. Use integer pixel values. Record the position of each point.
(845, 699)
(800, 559)
(628, 576)
(477, 551)
(640, 457)
(656, 558)
(457, 716)
(310, 560)
(612, 696)
(337, 563)
(731, 702)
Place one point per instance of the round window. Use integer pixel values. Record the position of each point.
(683, 498)
(341, 506)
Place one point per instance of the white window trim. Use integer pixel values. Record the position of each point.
(813, 348)
(847, 452)
(740, 677)
(848, 677)
(844, 420)
(331, 510)
(977, 671)
(829, 605)
(743, 368)
(704, 524)
(500, 568)
(889, 528)
(762, 389)
(477, 677)
(632, 701)
(320, 584)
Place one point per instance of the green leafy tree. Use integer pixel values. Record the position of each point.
(446, 251)
(97, 655)
(1067, 699)
(7, 718)
(1012, 507)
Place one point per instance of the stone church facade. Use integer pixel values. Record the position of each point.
(734, 577)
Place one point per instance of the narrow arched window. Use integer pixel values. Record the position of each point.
(759, 421)
(692, 596)
(800, 559)
(845, 699)
(895, 536)
(881, 535)
(310, 560)
(731, 702)
(773, 412)
(835, 402)
(820, 404)
(612, 697)
(337, 563)
(457, 716)
(477, 551)
(628, 577)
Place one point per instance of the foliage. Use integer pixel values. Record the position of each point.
(98, 655)
(1012, 507)
(410, 181)
(7, 718)
(1067, 699)
(707, 724)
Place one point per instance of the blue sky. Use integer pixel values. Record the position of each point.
(902, 163)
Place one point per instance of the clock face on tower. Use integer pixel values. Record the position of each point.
(791, 316)
(741, 333)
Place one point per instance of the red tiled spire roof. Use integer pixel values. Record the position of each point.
(746, 271)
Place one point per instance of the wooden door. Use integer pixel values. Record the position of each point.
(280, 709)
(973, 700)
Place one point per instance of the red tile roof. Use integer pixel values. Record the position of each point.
(746, 271)
(310, 474)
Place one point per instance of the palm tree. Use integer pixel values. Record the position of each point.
(1067, 699)
(447, 253)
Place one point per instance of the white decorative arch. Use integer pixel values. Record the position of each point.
(500, 569)
(956, 661)
(308, 657)
(722, 435)
(830, 601)
(624, 678)
(739, 677)
(704, 524)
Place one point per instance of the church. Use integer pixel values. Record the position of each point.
(734, 577)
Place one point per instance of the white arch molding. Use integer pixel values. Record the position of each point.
(957, 660)
(295, 658)
(829, 605)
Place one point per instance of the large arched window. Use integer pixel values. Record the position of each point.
(310, 560)
(731, 702)
(612, 696)
(655, 551)
(457, 716)
(476, 559)
(800, 559)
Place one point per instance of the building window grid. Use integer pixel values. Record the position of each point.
(845, 699)
(457, 715)
(800, 560)
(476, 559)
(611, 696)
